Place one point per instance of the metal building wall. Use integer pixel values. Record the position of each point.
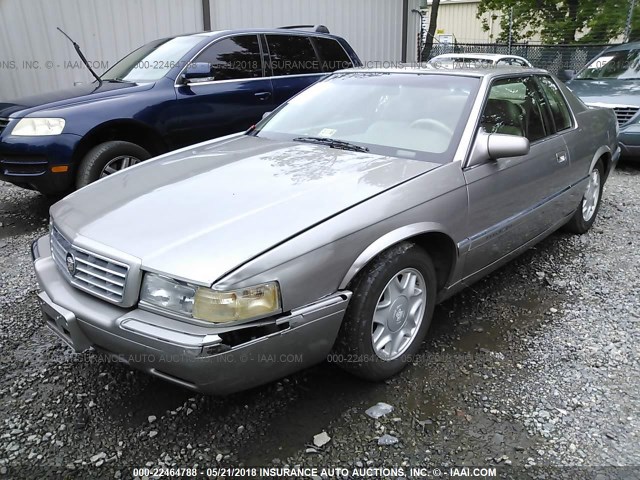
(459, 18)
(105, 29)
(372, 27)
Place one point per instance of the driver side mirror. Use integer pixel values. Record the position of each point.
(494, 146)
(196, 71)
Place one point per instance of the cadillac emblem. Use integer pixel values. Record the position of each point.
(71, 264)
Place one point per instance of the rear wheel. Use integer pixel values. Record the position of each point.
(389, 313)
(108, 158)
(588, 209)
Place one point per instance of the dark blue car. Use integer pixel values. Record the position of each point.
(168, 94)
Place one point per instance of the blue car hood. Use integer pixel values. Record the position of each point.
(607, 91)
(62, 98)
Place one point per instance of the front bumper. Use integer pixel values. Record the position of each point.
(202, 358)
(27, 161)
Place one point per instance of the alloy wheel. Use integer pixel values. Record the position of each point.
(117, 164)
(399, 313)
(591, 196)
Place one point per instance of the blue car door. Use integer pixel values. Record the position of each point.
(234, 95)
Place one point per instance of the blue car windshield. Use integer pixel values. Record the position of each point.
(621, 65)
(152, 61)
(408, 115)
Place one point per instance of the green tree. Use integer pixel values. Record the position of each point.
(433, 21)
(561, 21)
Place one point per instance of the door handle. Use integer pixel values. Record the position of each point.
(262, 95)
(561, 157)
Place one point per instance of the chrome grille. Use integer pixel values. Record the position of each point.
(624, 114)
(3, 123)
(93, 273)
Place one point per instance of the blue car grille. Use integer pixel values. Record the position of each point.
(3, 124)
(624, 114)
(92, 273)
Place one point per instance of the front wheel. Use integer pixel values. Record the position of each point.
(589, 206)
(107, 158)
(389, 313)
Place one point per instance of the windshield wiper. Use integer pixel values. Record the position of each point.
(332, 143)
(82, 57)
(115, 80)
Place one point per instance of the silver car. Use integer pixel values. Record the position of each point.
(477, 60)
(332, 228)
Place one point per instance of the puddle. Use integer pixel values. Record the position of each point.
(327, 393)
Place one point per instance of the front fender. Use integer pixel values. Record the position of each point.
(386, 241)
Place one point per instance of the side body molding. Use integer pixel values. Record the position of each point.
(387, 240)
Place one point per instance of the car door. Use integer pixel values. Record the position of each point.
(232, 98)
(580, 153)
(293, 64)
(509, 198)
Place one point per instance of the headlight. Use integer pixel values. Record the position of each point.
(167, 293)
(208, 304)
(27, 127)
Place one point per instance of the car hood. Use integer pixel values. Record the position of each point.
(607, 91)
(70, 96)
(199, 213)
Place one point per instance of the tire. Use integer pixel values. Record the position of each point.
(95, 162)
(354, 350)
(589, 206)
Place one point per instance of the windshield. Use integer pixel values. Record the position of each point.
(152, 61)
(403, 115)
(621, 64)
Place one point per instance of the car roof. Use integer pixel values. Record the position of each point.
(492, 56)
(425, 69)
(624, 46)
(284, 31)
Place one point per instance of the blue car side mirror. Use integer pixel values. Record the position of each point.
(197, 70)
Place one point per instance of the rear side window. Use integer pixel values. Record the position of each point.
(292, 55)
(233, 58)
(557, 104)
(332, 55)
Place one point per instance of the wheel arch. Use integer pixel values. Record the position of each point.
(603, 153)
(127, 130)
(429, 236)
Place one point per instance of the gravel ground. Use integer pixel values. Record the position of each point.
(533, 370)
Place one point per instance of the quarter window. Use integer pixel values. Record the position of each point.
(233, 58)
(292, 55)
(332, 55)
(513, 108)
(557, 104)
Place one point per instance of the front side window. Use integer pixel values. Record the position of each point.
(411, 116)
(557, 104)
(292, 55)
(233, 58)
(513, 108)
